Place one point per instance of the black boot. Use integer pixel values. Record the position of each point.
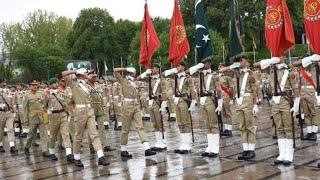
(205, 154)
(212, 155)
(26, 152)
(172, 119)
(13, 150)
(277, 162)
(23, 135)
(287, 163)
(92, 151)
(177, 151)
(117, 128)
(108, 148)
(243, 155)
(318, 165)
(250, 155)
(149, 152)
(227, 133)
(78, 163)
(158, 149)
(46, 154)
(106, 126)
(125, 154)
(313, 137)
(2, 149)
(102, 161)
(70, 158)
(307, 137)
(185, 151)
(53, 157)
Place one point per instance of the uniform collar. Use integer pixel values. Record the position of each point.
(244, 70)
(182, 74)
(281, 66)
(208, 71)
(130, 78)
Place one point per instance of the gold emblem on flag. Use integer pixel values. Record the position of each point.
(180, 34)
(274, 17)
(312, 10)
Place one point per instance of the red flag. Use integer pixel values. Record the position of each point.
(312, 23)
(279, 32)
(179, 45)
(149, 40)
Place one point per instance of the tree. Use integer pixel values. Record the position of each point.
(38, 44)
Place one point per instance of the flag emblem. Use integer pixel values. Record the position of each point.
(312, 10)
(274, 19)
(181, 34)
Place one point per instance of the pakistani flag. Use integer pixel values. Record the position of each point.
(235, 31)
(203, 39)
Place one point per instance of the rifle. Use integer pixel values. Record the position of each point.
(191, 123)
(19, 119)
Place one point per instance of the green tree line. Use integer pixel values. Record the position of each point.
(40, 44)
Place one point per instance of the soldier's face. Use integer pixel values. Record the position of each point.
(244, 63)
(54, 86)
(155, 70)
(207, 65)
(34, 87)
(2, 85)
(180, 68)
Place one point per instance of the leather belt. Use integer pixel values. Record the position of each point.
(57, 111)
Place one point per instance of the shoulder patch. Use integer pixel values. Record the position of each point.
(293, 76)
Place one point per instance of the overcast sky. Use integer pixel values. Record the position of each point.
(15, 10)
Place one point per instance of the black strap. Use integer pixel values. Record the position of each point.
(5, 101)
(60, 103)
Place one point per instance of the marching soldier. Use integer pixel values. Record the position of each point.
(33, 109)
(284, 83)
(131, 111)
(55, 102)
(246, 89)
(308, 93)
(7, 110)
(97, 103)
(170, 95)
(84, 115)
(209, 93)
(156, 104)
(185, 94)
(226, 114)
(117, 97)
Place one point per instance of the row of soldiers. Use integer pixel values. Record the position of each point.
(75, 101)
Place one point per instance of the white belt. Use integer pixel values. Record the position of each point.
(246, 94)
(20, 105)
(116, 96)
(83, 105)
(130, 100)
(307, 87)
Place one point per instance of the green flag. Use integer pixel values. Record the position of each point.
(203, 38)
(235, 31)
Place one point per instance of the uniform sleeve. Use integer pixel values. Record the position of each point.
(69, 81)
(25, 107)
(216, 82)
(294, 82)
(253, 82)
(118, 77)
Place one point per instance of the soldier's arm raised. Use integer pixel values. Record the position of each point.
(67, 73)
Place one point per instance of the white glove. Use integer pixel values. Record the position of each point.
(315, 57)
(108, 104)
(275, 60)
(318, 100)
(147, 72)
(295, 108)
(164, 104)
(306, 61)
(219, 107)
(192, 106)
(195, 68)
(131, 69)
(234, 65)
(170, 71)
(255, 109)
(81, 71)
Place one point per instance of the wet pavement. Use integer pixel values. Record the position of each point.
(168, 165)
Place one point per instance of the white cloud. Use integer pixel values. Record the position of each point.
(16, 10)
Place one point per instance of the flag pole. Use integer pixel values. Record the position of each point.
(254, 54)
(223, 55)
(290, 59)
